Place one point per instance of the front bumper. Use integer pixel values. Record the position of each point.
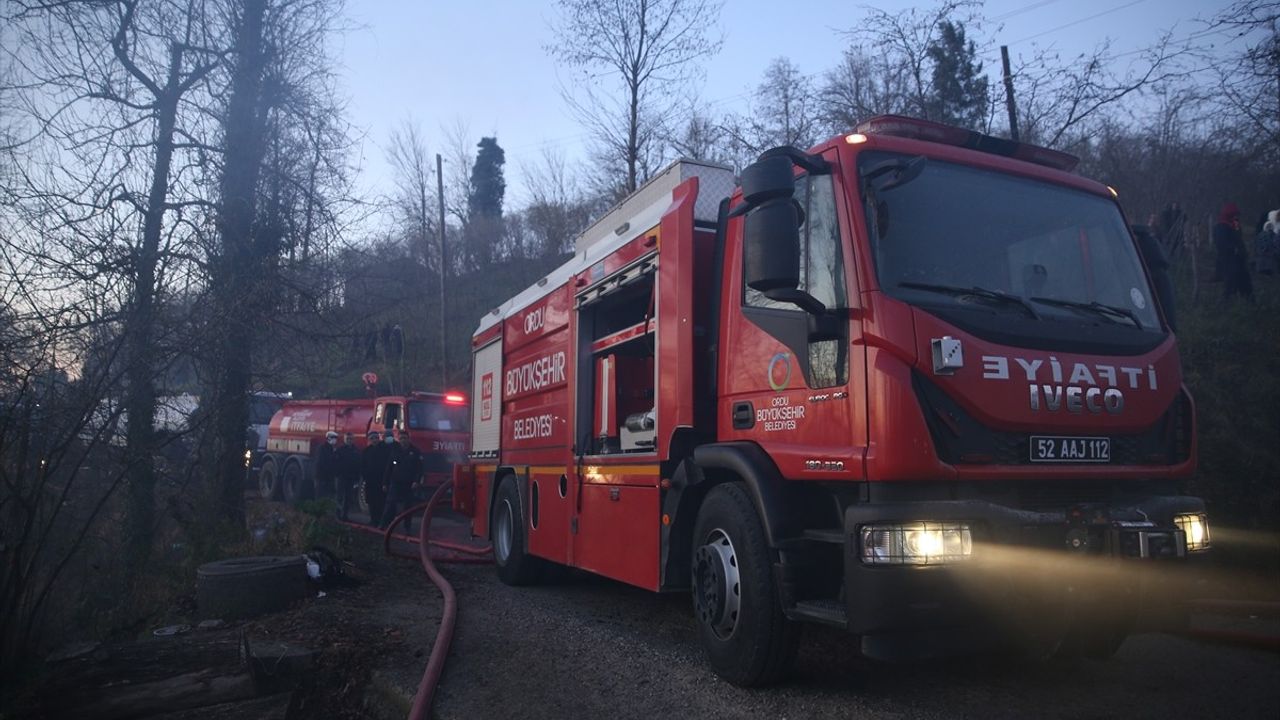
(1024, 563)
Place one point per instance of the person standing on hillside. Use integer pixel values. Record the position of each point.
(1232, 264)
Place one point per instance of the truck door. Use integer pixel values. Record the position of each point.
(386, 415)
(795, 390)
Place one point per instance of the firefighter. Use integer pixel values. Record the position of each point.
(373, 471)
(327, 465)
(348, 475)
(405, 471)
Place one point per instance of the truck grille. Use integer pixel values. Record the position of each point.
(960, 439)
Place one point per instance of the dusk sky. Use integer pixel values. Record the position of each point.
(483, 62)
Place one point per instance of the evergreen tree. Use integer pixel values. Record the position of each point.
(483, 230)
(959, 92)
(487, 182)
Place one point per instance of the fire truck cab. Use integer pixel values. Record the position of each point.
(912, 383)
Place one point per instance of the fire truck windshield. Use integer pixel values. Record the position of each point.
(967, 239)
(435, 415)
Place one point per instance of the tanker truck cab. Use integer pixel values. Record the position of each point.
(437, 424)
(912, 383)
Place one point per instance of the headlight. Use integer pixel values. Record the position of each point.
(1196, 528)
(920, 543)
(248, 458)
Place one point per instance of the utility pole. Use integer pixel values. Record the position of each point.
(444, 345)
(1008, 93)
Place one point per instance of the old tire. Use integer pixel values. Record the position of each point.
(251, 586)
(747, 639)
(510, 543)
(297, 486)
(269, 486)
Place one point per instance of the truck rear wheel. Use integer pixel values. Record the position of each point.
(748, 640)
(269, 480)
(515, 565)
(297, 486)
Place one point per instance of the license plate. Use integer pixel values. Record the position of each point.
(1056, 449)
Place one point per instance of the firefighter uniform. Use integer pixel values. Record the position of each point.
(404, 471)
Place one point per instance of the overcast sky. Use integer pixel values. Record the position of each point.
(483, 63)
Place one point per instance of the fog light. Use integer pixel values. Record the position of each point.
(1195, 526)
(920, 543)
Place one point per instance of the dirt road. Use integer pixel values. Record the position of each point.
(588, 647)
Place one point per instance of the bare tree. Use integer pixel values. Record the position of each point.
(633, 58)
(1250, 82)
(413, 174)
(557, 208)
(904, 39)
(863, 84)
(783, 111)
(119, 72)
(1057, 99)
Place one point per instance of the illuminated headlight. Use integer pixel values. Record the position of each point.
(248, 458)
(1196, 527)
(921, 543)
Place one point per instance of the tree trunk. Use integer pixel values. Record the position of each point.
(237, 275)
(633, 140)
(140, 394)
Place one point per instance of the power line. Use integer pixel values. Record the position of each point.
(1073, 23)
(1021, 10)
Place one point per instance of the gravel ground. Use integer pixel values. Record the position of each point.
(589, 647)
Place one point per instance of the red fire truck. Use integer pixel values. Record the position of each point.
(911, 383)
(437, 423)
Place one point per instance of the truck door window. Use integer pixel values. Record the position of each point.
(821, 275)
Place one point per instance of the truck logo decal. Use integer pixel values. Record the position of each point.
(780, 415)
(538, 426)
(533, 321)
(486, 396)
(780, 371)
(1095, 388)
(535, 375)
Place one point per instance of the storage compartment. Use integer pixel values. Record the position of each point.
(616, 371)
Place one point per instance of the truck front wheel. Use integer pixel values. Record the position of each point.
(748, 640)
(510, 542)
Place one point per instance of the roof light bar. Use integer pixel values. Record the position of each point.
(905, 127)
(455, 398)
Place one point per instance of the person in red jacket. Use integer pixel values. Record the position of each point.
(1232, 264)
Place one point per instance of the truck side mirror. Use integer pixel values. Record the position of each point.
(771, 231)
(771, 246)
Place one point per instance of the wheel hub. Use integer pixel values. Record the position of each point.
(717, 585)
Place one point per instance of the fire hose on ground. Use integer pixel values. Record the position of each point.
(465, 554)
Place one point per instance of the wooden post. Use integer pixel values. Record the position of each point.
(1008, 93)
(444, 340)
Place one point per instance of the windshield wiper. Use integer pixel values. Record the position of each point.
(981, 292)
(1097, 308)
